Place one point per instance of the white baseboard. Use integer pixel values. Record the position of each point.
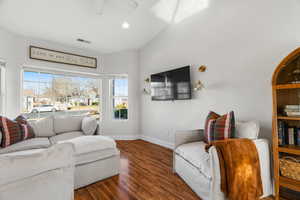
(157, 141)
(125, 137)
(143, 137)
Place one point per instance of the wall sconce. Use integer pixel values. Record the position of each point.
(202, 68)
(145, 90)
(199, 85)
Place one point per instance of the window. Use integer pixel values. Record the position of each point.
(2, 88)
(46, 94)
(119, 98)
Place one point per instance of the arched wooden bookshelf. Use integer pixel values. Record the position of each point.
(286, 91)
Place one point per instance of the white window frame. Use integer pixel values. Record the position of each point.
(3, 89)
(62, 72)
(112, 97)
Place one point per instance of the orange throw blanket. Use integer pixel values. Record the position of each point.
(240, 169)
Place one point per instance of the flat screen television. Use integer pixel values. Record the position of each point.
(171, 85)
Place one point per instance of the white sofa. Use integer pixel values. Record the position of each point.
(46, 174)
(96, 157)
(201, 171)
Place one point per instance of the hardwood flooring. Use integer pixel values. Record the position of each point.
(146, 174)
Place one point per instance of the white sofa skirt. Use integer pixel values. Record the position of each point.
(88, 173)
(209, 188)
(54, 184)
(191, 175)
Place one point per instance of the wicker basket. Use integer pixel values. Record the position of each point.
(290, 167)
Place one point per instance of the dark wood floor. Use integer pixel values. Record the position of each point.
(146, 174)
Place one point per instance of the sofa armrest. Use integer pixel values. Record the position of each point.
(263, 149)
(20, 165)
(184, 137)
(262, 146)
(188, 136)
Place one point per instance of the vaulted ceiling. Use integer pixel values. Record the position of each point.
(98, 21)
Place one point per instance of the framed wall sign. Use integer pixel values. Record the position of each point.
(48, 55)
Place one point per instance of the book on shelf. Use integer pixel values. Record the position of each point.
(291, 133)
(288, 135)
(280, 133)
(281, 140)
(298, 136)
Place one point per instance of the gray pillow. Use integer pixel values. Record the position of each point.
(64, 124)
(89, 125)
(43, 127)
(0, 137)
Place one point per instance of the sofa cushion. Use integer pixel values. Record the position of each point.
(66, 136)
(219, 127)
(248, 130)
(43, 127)
(20, 165)
(35, 143)
(89, 125)
(95, 155)
(67, 124)
(195, 154)
(87, 144)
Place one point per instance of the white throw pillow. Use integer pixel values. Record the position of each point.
(248, 130)
(64, 124)
(43, 127)
(89, 125)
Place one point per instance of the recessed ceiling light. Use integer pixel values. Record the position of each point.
(125, 25)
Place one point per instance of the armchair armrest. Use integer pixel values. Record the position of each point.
(184, 137)
(188, 136)
(23, 164)
(262, 146)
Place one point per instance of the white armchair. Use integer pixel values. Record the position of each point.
(46, 174)
(201, 170)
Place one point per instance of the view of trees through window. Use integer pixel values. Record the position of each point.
(47, 94)
(120, 98)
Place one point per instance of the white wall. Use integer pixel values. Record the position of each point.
(241, 42)
(15, 50)
(124, 63)
(9, 52)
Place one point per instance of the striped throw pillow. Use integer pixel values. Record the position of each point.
(14, 131)
(219, 127)
(27, 130)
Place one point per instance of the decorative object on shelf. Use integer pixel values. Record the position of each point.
(286, 129)
(296, 73)
(198, 86)
(146, 89)
(54, 56)
(292, 110)
(290, 167)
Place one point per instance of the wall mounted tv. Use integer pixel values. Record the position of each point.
(171, 85)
